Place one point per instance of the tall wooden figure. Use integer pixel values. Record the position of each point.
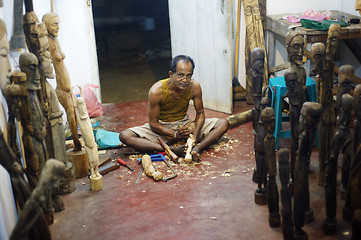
(63, 87)
(286, 196)
(340, 137)
(268, 119)
(91, 148)
(297, 91)
(328, 119)
(310, 116)
(257, 64)
(260, 174)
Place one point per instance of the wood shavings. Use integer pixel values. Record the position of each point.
(120, 177)
(213, 218)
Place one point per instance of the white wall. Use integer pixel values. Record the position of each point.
(76, 37)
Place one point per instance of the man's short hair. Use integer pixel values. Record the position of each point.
(175, 60)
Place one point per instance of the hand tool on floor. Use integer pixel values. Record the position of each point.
(169, 152)
(154, 158)
(175, 173)
(121, 162)
(140, 174)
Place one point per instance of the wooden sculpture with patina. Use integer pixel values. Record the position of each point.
(260, 172)
(268, 119)
(328, 119)
(286, 195)
(296, 90)
(340, 137)
(310, 116)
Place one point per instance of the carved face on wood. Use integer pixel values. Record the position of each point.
(257, 66)
(52, 23)
(268, 119)
(310, 116)
(318, 53)
(332, 39)
(29, 65)
(43, 51)
(294, 89)
(295, 50)
(5, 67)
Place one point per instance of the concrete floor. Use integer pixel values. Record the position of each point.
(210, 200)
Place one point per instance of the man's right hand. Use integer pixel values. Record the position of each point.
(182, 133)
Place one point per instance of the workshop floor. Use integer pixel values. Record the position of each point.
(210, 200)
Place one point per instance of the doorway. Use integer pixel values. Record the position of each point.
(133, 47)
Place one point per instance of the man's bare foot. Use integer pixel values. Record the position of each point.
(178, 150)
(195, 155)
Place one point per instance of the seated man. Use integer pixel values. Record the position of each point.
(168, 119)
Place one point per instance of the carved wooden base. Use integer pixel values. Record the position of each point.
(96, 184)
(309, 216)
(274, 221)
(300, 235)
(321, 179)
(260, 197)
(67, 184)
(79, 160)
(329, 227)
(347, 213)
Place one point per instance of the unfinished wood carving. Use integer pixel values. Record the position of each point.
(63, 87)
(254, 38)
(149, 169)
(91, 148)
(190, 144)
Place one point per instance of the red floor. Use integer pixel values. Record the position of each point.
(210, 200)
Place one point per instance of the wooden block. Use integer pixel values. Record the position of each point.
(79, 160)
(96, 184)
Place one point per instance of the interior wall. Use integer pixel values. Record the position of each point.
(76, 37)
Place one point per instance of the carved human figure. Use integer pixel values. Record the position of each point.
(340, 137)
(268, 119)
(63, 88)
(21, 188)
(328, 119)
(310, 115)
(295, 49)
(295, 94)
(29, 64)
(91, 147)
(358, 6)
(318, 51)
(286, 196)
(260, 173)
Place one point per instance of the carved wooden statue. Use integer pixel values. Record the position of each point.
(353, 195)
(22, 190)
(343, 132)
(49, 178)
(328, 119)
(286, 196)
(295, 48)
(91, 148)
(358, 6)
(254, 39)
(260, 172)
(295, 92)
(345, 78)
(63, 88)
(268, 119)
(310, 115)
(356, 225)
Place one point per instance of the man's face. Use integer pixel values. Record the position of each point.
(257, 77)
(4, 62)
(43, 51)
(183, 76)
(32, 74)
(295, 50)
(53, 26)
